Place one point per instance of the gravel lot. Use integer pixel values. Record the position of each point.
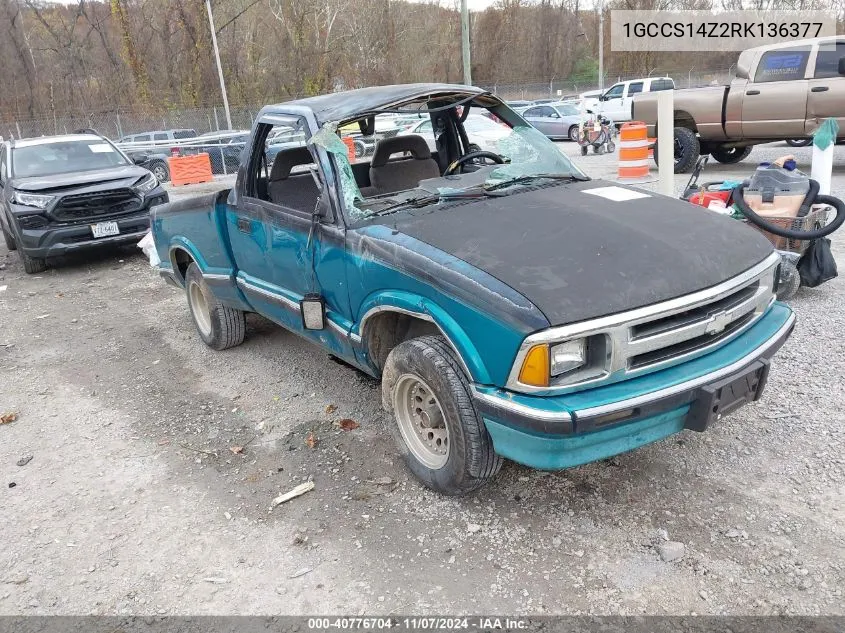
(154, 461)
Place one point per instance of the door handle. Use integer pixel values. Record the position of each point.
(244, 225)
(752, 92)
(819, 89)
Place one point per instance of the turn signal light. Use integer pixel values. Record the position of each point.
(535, 367)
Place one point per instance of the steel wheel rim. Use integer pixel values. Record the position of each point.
(199, 306)
(421, 421)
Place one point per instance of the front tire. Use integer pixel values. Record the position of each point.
(10, 241)
(687, 150)
(219, 326)
(799, 142)
(730, 155)
(33, 265)
(436, 428)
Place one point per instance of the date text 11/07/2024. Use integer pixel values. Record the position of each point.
(419, 623)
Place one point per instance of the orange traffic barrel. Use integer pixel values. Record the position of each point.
(190, 170)
(350, 147)
(633, 152)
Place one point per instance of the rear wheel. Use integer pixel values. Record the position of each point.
(219, 326)
(687, 150)
(33, 265)
(798, 142)
(160, 171)
(10, 241)
(730, 155)
(436, 428)
(573, 133)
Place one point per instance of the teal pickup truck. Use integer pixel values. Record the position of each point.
(513, 307)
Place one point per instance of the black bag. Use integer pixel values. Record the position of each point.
(817, 265)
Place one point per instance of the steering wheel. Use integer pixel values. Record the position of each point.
(452, 168)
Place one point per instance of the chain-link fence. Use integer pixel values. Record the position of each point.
(125, 121)
(557, 88)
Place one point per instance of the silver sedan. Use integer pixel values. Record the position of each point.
(555, 120)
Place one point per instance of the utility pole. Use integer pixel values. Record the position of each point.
(219, 67)
(465, 51)
(601, 46)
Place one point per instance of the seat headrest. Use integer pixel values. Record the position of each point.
(287, 159)
(413, 143)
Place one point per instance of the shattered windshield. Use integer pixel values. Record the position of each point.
(398, 161)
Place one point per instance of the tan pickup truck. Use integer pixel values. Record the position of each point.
(781, 91)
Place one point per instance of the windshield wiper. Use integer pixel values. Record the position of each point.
(529, 177)
(422, 201)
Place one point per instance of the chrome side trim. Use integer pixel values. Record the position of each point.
(521, 409)
(617, 328)
(357, 337)
(270, 296)
(291, 305)
(630, 403)
(216, 277)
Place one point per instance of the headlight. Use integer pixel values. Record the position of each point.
(147, 183)
(37, 200)
(568, 356)
(569, 362)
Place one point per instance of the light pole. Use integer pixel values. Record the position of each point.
(219, 67)
(601, 46)
(465, 50)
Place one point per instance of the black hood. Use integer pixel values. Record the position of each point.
(124, 176)
(578, 256)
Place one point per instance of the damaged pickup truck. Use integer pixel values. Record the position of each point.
(512, 307)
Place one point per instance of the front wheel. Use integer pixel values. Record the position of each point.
(10, 241)
(687, 150)
(219, 326)
(438, 432)
(33, 265)
(798, 142)
(730, 155)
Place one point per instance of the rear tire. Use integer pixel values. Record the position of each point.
(10, 241)
(799, 142)
(687, 150)
(730, 155)
(436, 428)
(160, 171)
(573, 133)
(219, 326)
(33, 265)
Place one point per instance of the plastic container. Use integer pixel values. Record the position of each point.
(776, 192)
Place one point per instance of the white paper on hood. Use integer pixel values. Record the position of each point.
(617, 194)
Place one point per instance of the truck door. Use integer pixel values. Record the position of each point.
(282, 252)
(827, 87)
(613, 103)
(774, 104)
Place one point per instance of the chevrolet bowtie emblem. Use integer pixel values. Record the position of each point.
(718, 322)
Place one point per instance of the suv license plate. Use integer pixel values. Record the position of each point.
(104, 229)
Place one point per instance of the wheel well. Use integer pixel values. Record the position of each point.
(180, 260)
(685, 119)
(386, 330)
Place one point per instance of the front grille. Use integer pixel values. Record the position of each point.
(669, 337)
(98, 205)
(658, 336)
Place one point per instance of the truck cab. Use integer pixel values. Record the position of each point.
(616, 102)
